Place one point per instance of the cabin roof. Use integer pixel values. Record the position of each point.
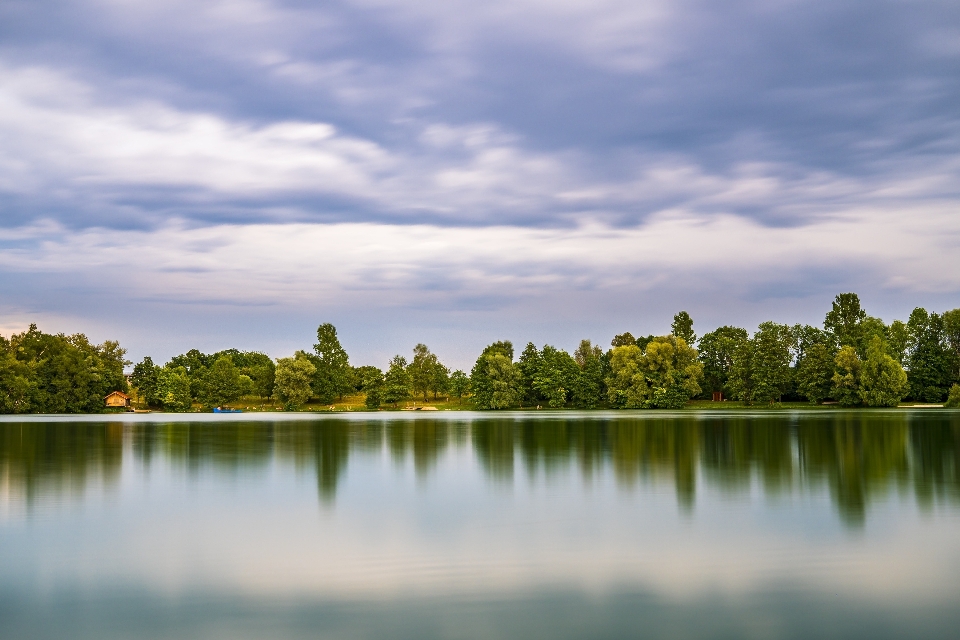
(117, 393)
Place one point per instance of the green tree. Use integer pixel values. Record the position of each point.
(898, 340)
(396, 385)
(292, 381)
(951, 329)
(440, 381)
(929, 361)
(846, 379)
(481, 384)
(373, 386)
(761, 368)
(261, 370)
(422, 370)
(772, 357)
(195, 363)
(529, 363)
(741, 380)
(504, 380)
(589, 389)
(643, 341)
(360, 374)
(815, 373)
(173, 388)
(223, 383)
(716, 352)
(953, 399)
(459, 384)
(626, 385)
(664, 376)
(883, 382)
(18, 383)
(334, 375)
(556, 377)
(871, 328)
(146, 379)
(805, 337)
(62, 374)
(623, 340)
(682, 327)
(844, 319)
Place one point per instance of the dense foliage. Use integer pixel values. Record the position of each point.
(854, 359)
(45, 373)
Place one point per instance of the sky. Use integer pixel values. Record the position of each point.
(233, 173)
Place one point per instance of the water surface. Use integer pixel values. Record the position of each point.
(459, 525)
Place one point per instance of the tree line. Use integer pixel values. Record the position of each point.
(853, 359)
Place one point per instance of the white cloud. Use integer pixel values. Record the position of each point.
(350, 263)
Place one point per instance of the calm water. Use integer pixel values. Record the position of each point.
(612, 525)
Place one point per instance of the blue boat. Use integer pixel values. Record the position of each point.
(219, 410)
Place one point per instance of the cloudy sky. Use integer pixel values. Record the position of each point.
(232, 173)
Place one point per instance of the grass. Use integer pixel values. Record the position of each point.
(352, 403)
(355, 402)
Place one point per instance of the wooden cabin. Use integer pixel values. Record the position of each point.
(117, 399)
(718, 396)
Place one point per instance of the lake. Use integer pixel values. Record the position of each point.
(827, 524)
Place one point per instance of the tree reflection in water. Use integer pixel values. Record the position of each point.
(858, 456)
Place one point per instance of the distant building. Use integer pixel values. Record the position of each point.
(117, 399)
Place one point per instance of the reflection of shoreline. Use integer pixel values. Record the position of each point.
(12, 504)
(858, 457)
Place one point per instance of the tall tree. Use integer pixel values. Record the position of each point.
(951, 329)
(761, 369)
(898, 341)
(929, 361)
(805, 337)
(459, 384)
(844, 319)
(742, 381)
(422, 370)
(261, 370)
(529, 363)
(334, 376)
(589, 390)
(223, 383)
(292, 381)
(815, 373)
(440, 381)
(557, 376)
(396, 383)
(664, 376)
(173, 388)
(846, 379)
(716, 352)
(626, 384)
(146, 378)
(195, 363)
(482, 385)
(883, 382)
(373, 386)
(682, 327)
(504, 379)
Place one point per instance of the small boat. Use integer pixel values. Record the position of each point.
(220, 410)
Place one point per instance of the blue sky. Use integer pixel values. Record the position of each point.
(216, 174)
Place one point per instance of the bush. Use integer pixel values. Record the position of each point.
(953, 400)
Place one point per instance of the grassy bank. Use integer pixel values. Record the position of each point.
(356, 403)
